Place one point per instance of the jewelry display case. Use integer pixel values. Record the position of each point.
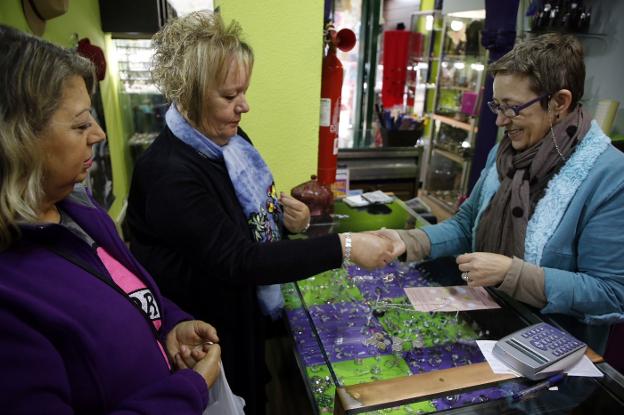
(362, 348)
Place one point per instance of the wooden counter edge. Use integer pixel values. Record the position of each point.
(421, 385)
(593, 356)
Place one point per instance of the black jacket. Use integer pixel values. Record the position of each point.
(189, 230)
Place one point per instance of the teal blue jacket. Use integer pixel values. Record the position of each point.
(576, 233)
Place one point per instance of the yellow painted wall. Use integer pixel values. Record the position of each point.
(284, 95)
(83, 18)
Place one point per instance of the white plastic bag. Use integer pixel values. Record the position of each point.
(222, 401)
(271, 300)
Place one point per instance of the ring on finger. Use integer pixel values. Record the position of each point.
(466, 276)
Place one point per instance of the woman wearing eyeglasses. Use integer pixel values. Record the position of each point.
(545, 222)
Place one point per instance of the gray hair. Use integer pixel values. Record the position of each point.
(32, 76)
(551, 62)
(192, 54)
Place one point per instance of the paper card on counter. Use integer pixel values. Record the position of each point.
(583, 367)
(498, 367)
(455, 298)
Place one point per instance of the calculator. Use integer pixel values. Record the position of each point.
(539, 351)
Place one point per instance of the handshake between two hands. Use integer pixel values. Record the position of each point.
(375, 249)
(194, 344)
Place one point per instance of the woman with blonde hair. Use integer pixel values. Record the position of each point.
(204, 216)
(84, 327)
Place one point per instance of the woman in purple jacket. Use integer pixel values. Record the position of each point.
(84, 328)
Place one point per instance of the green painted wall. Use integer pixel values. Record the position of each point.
(83, 18)
(284, 95)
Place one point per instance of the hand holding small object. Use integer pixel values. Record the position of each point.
(296, 214)
(208, 366)
(483, 269)
(182, 340)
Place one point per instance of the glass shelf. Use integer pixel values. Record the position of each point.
(451, 154)
(425, 59)
(465, 58)
(456, 88)
(579, 34)
(467, 126)
(456, 103)
(445, 198)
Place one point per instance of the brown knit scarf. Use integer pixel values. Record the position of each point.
(523, 177)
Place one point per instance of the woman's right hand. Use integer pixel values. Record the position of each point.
(391, 234)
(209, 365)
(414, 242)
(371, 251)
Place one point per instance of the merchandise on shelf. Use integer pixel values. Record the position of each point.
(364, 329)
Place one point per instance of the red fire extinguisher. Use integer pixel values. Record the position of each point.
(331, 86)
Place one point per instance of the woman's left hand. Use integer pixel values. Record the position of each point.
(185, 342)
(296, 213)
(483, 269)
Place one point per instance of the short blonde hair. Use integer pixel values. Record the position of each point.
(192, 55)
(32, 76)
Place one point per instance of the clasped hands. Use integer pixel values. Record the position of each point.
(193, 345)
(369, 249)
(374, 249)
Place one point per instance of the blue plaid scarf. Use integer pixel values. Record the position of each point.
(254, 187)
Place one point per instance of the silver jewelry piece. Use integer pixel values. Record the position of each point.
(346, 259)
(466, 277)
(552, 134)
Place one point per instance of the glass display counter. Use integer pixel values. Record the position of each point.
(362, 347)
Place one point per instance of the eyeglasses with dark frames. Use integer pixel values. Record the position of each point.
(512, 111)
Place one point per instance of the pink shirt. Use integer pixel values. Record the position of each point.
(135, 289)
